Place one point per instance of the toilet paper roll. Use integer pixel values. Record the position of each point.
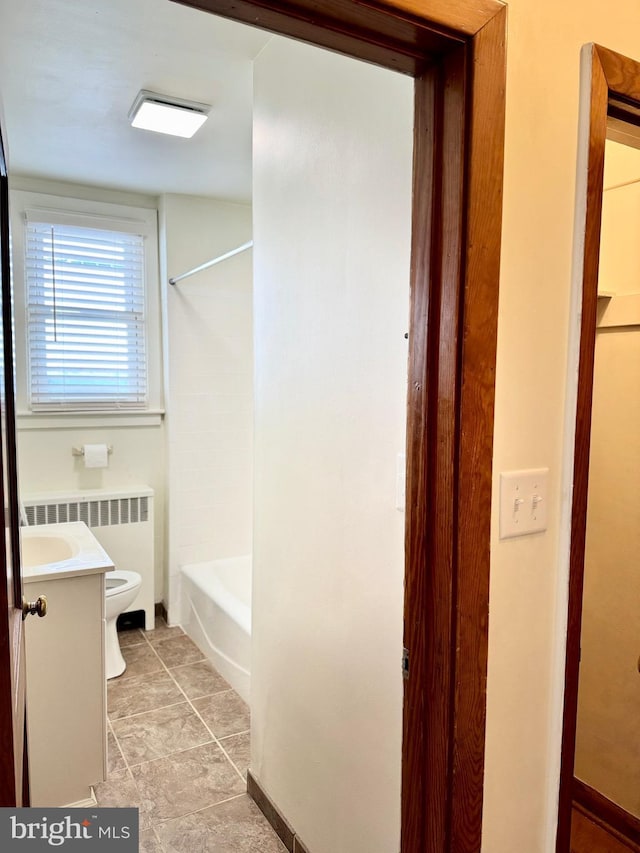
(95, 455)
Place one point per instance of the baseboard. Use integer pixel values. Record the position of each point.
(279, 823)
(607, 814)
(298, 846)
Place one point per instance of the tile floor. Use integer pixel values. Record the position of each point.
(178, 749)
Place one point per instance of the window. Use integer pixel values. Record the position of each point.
(87, 300)
(85, 317)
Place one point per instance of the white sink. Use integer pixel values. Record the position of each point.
(61, 550)
(43, 550)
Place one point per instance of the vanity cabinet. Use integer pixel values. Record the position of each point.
(66, 684)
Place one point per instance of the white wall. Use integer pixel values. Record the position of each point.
(528, 596)
(209, 383)
(332, 208)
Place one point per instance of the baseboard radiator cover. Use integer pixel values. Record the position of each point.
(122, 520)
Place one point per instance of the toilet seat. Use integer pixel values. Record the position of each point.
(118, 582)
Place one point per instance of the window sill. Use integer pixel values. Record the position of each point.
(71, 420)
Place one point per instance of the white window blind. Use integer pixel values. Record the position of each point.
(85, 318)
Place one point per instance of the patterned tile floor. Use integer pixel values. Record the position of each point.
(178, 749)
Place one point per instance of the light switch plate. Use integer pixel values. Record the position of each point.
(523, 502)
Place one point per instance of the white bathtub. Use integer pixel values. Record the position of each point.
(216, 614)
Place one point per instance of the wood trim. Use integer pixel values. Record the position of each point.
(459, 20)
(456, 51)
(451, 382)
(619, 71)
(474, 429)
(12, 672)
(592, 217)
(418, 467)
(432, 574)
(589, 835)
(613, 78)
(355, 29)
(405, 35)
(467, 17)
(298, 846)
(278, 821)
(605, 812)
(443, 443)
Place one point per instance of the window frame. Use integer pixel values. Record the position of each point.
(86, 213)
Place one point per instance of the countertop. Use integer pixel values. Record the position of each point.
(88, 556)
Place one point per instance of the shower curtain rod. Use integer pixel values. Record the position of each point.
(211, 263)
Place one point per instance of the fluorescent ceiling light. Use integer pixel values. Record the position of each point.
(163, 114)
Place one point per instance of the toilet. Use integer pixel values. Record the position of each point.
(122, 588)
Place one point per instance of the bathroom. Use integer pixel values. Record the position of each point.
(194, 445)
(528, 594)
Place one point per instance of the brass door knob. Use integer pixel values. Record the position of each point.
(33, 607)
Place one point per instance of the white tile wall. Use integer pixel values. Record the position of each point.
(209, 381)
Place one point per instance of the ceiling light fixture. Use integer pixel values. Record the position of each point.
(164, 114)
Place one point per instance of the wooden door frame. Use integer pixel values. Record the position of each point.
(14, 784)
(456, 52)
(614, 97)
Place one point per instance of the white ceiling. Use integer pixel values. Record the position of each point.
(70, 70)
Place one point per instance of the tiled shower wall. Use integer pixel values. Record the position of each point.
(209, 382)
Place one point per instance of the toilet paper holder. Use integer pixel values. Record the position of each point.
(79, 451)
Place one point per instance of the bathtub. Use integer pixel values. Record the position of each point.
(216, 614)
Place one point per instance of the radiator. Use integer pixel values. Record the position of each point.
(122, 522)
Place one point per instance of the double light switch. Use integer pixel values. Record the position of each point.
(523, 502)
